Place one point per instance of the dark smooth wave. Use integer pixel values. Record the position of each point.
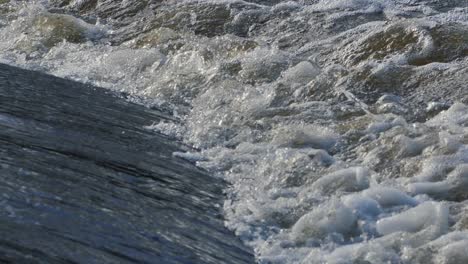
(82, 181)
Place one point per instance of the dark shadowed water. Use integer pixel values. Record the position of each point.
(82, 181)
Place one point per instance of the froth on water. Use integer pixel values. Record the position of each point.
(341, 125)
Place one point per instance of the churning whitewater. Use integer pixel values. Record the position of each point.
(341, 125)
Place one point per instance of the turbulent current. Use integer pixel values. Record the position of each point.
(340, 125)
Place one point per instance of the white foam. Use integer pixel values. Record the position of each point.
(326, 219)
(340, 180)
(414, 220)
(346, 180)
(387, 196)
(300, 136)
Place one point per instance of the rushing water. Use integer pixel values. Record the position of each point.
(341, 125)
(83, 182)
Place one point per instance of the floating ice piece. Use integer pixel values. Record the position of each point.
(387, 196)
(416, 219)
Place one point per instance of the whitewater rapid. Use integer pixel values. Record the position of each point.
(341, 125)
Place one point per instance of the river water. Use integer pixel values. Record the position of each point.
(341, 126)
(84, 182)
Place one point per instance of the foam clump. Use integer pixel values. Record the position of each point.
(387, 197)
(447, 249)
(262, 65)
(380, 250)
(435, 167)
(454, 118)
(305, 136)
(346, 180)
(327, 219)
(412, 146)
(452, 188)
(366, 207)
(453, 253)
(302, 73)
(382, 125)
(430, 214)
